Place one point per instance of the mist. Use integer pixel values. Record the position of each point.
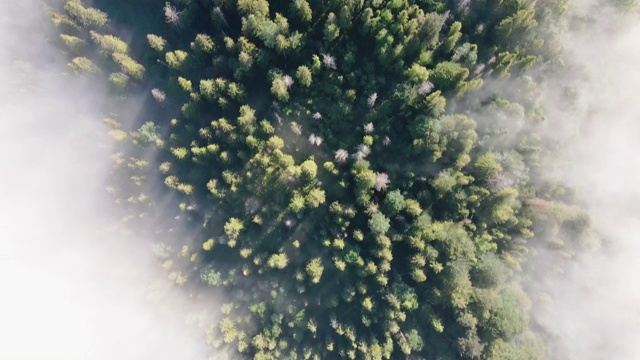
(595, 312)
(73, 285)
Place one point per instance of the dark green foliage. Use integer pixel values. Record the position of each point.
(486, 167)
(394, 202)
(448, 76)
(329, 262)
(489, 272)
(303, 75)
(148, 134)
(379, 224)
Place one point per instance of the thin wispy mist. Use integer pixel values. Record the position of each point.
(73, 286)
(594, 113)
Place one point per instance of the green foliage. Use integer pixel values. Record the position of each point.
(156, 42)
(176, 59)
(448, 76)
(394, 202)
(129, 66)
(379, 224)
(416, 74)
(278, 261)
(185, 84)
(331, 31)
(454, 36)
(259, 8)
(204, 43)
(82, 65)
(303, 75)
(73, 43)
(314, 270)
(279, 89)
(508, 314)
(427, 181)
(88, 17)
(486, 167)
(109, 43)
(119, 81)
(232, 229)
(315, 198)
(302, 10)
(210, 276)
(64, 23)
(148, 134)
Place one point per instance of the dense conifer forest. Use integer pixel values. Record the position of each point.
(362, 179)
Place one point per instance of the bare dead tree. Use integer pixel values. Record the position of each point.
(171, 14)
(288, 80)
(159, 95)
(329, 61)
(368, 128)
(341, 156)
(296, 129)
(382, 181)
(371, 101)
(425, 88)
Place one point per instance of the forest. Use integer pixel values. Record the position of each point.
(360, 179)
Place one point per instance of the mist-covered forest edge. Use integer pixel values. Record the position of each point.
(354, 179)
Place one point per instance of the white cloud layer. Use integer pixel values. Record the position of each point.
(596, 314)
(69, 287)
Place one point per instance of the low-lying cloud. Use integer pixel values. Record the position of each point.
(596, 301)
(73, 286)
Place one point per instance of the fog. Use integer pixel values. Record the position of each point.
(73, 286)
(596, 302)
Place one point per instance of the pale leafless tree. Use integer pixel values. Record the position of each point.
(217, 14)
(288, 80)
(359, 155)
(341, 155)
(463, 6)
(371, 101)
(317, 116)
(331, 18)
(329, 61)
(364, 149)
(171, 14)
(159, 95)
(296, 129)
(289, 223)
(315, 140)
(251, 205)
(368, 128)
(382, 181)
(425, 88)
(499, 182)
(334, 323)
(386, 141)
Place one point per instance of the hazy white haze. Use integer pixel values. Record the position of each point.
(69, 287)
(596, 311)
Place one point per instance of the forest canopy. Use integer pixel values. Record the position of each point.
(354, 187)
